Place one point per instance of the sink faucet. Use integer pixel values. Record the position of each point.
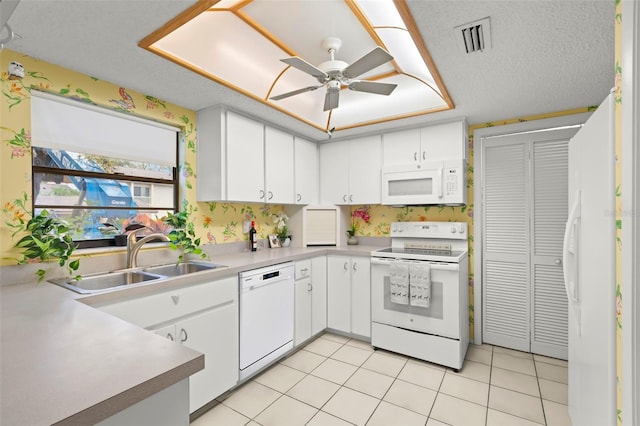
(134, 245)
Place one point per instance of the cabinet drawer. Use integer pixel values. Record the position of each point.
(146, 311)
(303, 269)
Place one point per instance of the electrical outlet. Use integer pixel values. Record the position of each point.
(246, 226)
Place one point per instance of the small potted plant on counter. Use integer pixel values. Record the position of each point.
(281, 230)
(359, 213)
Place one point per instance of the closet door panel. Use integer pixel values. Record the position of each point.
(550, 179)
(506, 310)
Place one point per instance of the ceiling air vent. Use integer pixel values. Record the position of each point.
(474, 36)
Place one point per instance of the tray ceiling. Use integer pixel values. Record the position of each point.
(241, 43)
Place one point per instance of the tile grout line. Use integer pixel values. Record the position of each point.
(486, 413)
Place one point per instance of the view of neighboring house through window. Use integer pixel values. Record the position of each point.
(101, 170)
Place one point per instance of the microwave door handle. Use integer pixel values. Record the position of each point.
(439, 183)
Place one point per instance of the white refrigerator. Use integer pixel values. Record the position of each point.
(589, 270)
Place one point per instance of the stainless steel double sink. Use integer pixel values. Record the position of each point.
(94, 283)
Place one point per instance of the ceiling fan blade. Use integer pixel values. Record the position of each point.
(373, 87)
(294, 92)
(305, 67)
(371, 60)
(331, 99)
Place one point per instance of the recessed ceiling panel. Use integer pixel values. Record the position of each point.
(241, 43)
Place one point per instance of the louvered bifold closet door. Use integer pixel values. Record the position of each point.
(550, 185)
(505, 240)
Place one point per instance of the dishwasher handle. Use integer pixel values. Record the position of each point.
(248, 286)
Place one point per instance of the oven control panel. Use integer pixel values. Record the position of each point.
(448, 230)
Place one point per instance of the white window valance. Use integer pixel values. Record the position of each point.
(67, 124)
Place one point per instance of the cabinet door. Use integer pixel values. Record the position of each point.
(318, 294)
(215, 334)
(334, 174)
(446, 141)
(401, 148)
(245, 159)
(361, 296)
(278, 151)
(365, 164)
(306, 172)
(339, 293)
(302, 323)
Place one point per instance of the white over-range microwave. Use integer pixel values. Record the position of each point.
(434, 182)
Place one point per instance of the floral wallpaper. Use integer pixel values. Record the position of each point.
(215, 222)
(619, 224)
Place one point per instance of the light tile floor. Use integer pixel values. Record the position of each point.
(335, 380)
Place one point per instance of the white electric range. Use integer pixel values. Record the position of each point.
(419, 292)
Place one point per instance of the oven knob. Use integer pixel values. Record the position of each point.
(453, 230)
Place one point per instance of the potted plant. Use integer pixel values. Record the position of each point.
(359, 213)
(183, 235)
(281, 230)
(48, 238)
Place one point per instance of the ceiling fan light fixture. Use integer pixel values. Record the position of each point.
(335, 73)
(333, 85)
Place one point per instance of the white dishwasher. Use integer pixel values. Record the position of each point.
(266, 316)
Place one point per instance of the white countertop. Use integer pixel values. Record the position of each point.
(66, 362)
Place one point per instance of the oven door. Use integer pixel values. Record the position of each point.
(441, 317)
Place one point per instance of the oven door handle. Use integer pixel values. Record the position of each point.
(434, 265)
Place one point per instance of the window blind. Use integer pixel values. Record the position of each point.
(66, 124)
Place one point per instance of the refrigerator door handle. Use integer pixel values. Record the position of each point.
(570, 247)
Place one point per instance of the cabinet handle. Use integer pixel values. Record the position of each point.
(346, 268)
(270, 195)
(415, 156)
(355, 266)
(184, 335)
(344, 198)
(299, 197)
(424, 155)
(170, 337)
(309, 287)
(261, 194)
(304, 270)
(351, 198)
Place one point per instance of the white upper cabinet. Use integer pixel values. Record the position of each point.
(444, 141)
(240, 159)
(365, 164)
(245, 159)
(334, 173)
(306, 184)
(278, 181)
(350, 171)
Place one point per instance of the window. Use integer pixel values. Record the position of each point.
(100, 170)
(142, 194)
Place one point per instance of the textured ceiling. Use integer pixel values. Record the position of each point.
(546, 55)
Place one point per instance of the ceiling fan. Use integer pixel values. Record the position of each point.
(335, 73)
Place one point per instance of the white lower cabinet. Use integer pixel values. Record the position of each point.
(349, 294)
(310, 299)
(203, 317)
(319, 295)
(213, 333)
